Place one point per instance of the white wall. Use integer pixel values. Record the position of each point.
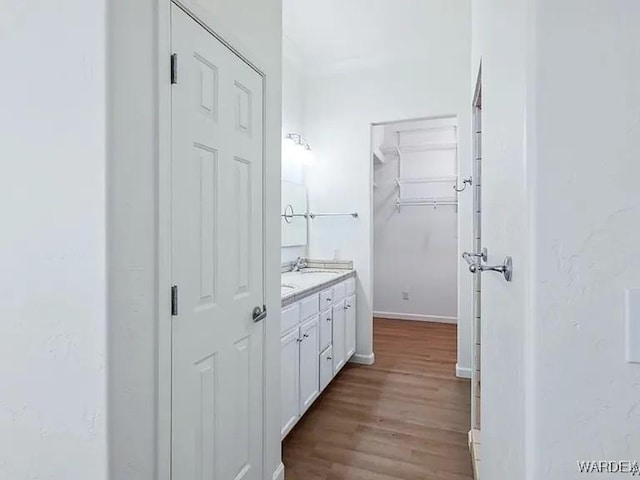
(339, 112)
(52, 247)
(293, 96)
(137, 72)
(416, 249)
(586, 398)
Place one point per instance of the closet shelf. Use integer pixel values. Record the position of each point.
(426, 147)
(428, 201)
(447, 179)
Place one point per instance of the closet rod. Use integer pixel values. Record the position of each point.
(314, 215)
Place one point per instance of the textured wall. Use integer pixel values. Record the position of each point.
(52, 245)
(587, 217)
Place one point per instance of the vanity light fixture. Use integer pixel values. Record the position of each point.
(296, 146)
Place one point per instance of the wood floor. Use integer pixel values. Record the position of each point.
(406, 417)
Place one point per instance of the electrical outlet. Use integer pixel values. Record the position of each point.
(405, 295)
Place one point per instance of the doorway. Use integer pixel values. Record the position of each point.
(217, 265)
(415, 216)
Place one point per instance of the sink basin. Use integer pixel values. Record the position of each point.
(284, 289)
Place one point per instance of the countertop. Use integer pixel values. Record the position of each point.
(297, 285)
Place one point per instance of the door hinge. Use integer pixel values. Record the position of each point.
(174, 301)
(174, 69)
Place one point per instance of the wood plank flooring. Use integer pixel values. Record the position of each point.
(406, 417)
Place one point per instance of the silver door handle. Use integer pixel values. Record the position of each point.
(506, 269)
(259, 314)
(470, 257)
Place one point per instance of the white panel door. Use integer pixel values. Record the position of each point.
(309, 363)
(289, 380)
(217, 260)
(350, 326)
(338, 336)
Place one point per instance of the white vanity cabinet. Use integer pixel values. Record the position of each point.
(318, 337)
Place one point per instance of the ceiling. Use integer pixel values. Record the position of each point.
(329, 35)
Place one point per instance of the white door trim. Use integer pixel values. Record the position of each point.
(163, 235)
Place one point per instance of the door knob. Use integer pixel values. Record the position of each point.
(259, 314)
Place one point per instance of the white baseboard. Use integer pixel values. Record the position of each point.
(363, 359)
(416, 317)
(279, 473)
(462, 372)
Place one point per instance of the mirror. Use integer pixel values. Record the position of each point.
(294, 205)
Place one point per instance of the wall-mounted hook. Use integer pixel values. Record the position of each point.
(465, 182)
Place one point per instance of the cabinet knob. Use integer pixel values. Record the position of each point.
(298, 340)
(306, 335)
(329, 299)
(328, 319)
(329, 358)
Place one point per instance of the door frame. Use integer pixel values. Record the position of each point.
(476, 400)
(163, 233)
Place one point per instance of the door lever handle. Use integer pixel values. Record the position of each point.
(259, 314)
(506, 269)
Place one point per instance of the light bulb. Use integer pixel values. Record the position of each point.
(307, 156)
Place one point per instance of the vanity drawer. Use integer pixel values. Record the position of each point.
(290, 317)
(326, 367)
(309, 306)
(339, 291)
(351, 285)
(326, 298)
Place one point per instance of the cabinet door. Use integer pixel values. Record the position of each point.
(350, 326)
(338, 336)
(326, 319)
(289, 380)
(326, 368)
(309, 363)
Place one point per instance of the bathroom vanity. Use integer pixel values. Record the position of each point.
(318, 335)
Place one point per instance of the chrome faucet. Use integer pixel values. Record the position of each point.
(300, 264)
